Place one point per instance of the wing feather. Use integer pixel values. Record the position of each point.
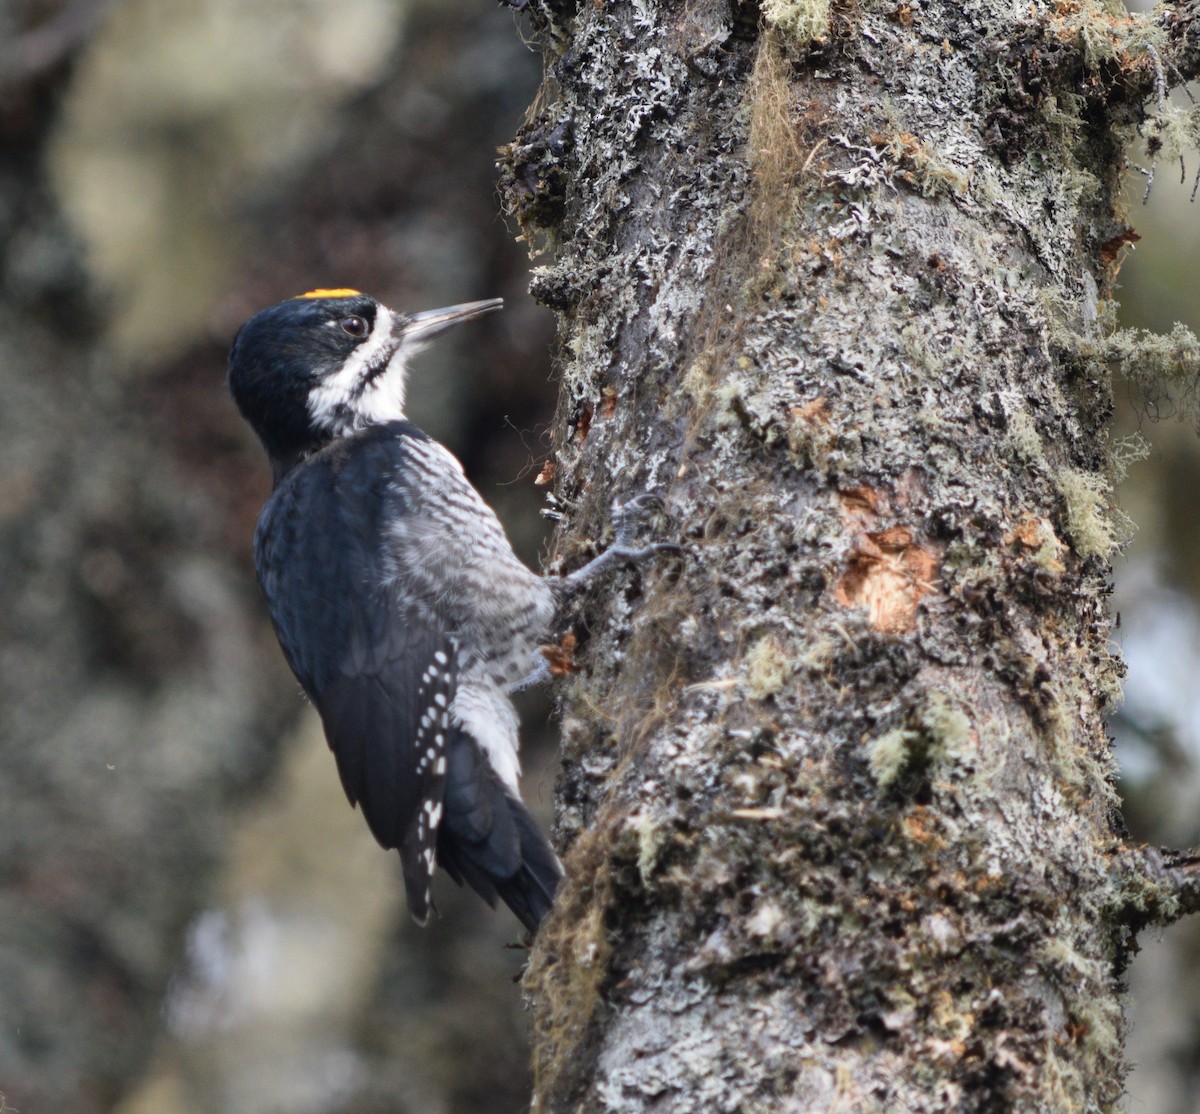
(380, 671)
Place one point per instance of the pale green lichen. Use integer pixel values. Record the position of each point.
(937, 730)
(1178, 130)
(725, 397)
(947, 725)
(1049, 553)
(1095, 527)
(1104, 33)
(1022, 437)
(767, 667)
(1126, 451)
(697, 383)
(820, 654)
(800, 21)
(1154, 358)
(938, 176)
(1060, 953)
(650, 841)
(888, 754)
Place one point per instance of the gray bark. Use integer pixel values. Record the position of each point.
(838, 802)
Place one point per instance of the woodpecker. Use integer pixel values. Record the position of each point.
(396, 596)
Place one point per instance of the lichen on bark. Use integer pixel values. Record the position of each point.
(837, 799)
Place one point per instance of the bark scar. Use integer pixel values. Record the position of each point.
(887, 571)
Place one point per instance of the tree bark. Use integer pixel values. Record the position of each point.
(838, 802)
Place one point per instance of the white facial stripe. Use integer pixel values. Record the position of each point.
(343, 401)
(383, 399)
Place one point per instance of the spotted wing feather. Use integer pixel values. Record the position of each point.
(380, 671)
(388, 724)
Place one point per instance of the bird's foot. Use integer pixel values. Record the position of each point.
(538, 675)
(628, 518)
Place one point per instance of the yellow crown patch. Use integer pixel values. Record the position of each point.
(345, 293)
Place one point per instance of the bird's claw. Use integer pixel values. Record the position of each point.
(628, 516)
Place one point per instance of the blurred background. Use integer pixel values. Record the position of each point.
(191, 917)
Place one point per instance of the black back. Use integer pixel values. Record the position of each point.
(371, 662)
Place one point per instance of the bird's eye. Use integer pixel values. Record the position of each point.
(354, 325)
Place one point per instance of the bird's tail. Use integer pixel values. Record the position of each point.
(490, 840)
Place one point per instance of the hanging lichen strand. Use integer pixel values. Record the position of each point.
(837, 802)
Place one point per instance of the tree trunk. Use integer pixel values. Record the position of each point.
(838, 802)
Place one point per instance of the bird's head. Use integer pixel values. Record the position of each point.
(314, 368)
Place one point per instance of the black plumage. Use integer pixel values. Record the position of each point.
(396, 598)
(375, 660)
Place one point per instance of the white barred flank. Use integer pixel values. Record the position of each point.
(451, 550)
(485, 712)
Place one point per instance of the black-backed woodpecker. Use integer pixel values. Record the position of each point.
(396, 596)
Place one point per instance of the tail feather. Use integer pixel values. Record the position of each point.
(490, 840)
(530, 892)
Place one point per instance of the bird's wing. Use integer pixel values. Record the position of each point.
(387, 719)
(380, 670)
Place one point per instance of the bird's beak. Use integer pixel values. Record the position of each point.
(421, 327)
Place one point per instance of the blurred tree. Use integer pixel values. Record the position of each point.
(838, 801)
(128, 710)
(142, 692)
